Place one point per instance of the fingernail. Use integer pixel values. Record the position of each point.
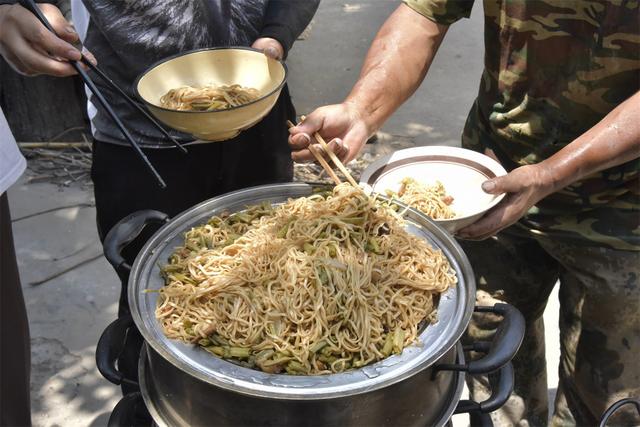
(272, 52)
(90, 57)
(306, 139)
(73, 54)
(488, 186)
(69, 29)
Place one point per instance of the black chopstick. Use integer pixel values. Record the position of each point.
(131, 102)
(116, 119)
(33, 8)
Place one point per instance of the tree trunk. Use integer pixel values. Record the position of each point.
(43, 108)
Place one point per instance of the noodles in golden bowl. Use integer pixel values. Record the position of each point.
(208, 98)
(316, 285)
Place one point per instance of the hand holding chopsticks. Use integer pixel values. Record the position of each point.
(336, 161)
(33, 8)
(320, 160)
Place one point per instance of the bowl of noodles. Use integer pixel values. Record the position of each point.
(212, 94)
(314, 286)
(442, 182)
(300, 301)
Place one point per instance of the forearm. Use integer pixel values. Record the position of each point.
(613, 141)
(396, 64)
(285, 20)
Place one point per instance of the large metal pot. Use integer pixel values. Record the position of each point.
(185, 385)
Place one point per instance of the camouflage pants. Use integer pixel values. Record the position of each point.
(599, 325)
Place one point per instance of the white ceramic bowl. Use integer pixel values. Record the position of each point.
(461, 171)
(214, 66)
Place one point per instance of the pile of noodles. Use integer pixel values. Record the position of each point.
(432, 200)
(316, 285)
(208, 98)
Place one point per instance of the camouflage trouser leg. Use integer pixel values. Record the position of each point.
(599, 333)
(597, 343)
(520, 272)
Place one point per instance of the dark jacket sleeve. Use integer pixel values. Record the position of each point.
(285, 20)
(54, 2)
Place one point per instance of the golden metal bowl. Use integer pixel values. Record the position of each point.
(215, 66)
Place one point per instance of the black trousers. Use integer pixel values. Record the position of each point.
(15, 349)
(122, 184)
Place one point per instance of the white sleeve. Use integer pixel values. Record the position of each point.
(12, 163)
(80, 17)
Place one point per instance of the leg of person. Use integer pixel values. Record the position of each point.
(122, 185)
(600, 333)
(262, 154)
(571, 294)
(15, 349)
(514, 269)
(259, 155)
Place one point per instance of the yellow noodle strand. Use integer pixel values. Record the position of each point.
(316, 285)
(208, 98)
(432, 200)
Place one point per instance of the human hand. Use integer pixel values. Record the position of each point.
(271, 47)
(524, 187)
(31, 49)
(340, 123)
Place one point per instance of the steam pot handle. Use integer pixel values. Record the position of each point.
(131, 407)
(501, 388)
(506, 341)
(110, 345)
(125, 232)
(500, 350)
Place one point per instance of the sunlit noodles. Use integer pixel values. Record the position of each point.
(432, 200)
(208, 98)
(316, 285)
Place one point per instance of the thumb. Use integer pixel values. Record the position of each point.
(272, 52)
(495, 186)
(310, 125)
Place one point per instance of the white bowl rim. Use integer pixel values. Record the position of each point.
(378, 166)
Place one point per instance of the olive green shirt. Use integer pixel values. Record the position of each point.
(553, 69)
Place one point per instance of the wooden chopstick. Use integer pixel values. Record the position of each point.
(321, 160)
(325, 165)
(336, 161)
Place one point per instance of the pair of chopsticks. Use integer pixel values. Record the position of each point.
(317, 153)
(33, 8)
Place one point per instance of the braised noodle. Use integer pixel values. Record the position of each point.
(432, 200)
(208, 98)
(317, 285)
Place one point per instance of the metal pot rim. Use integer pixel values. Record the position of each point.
(454, 312)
